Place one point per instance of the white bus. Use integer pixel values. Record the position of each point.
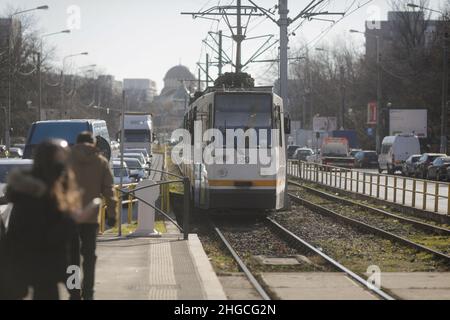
(138, 131)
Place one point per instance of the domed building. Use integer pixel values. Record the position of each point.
(177, 77)
(179, 84)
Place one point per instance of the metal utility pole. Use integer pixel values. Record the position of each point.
(199, 79)
(207, 70)
(444, 109)
(379, 130)
(220, 66)
(284, 47)
(342, 111)
(238, 38)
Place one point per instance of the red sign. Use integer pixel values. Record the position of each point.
(372, 113)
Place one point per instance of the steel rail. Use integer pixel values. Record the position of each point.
(369, 228)
(336, 264)
(242, 265)
(416, 223)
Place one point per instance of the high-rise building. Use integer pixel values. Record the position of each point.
(140, 92)
(402, 28)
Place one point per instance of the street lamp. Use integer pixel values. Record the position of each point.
(40, 66)
(416, 6)
(379, 88)
(444, 103)
(10, 76)
(63, 108)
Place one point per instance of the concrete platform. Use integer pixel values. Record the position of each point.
(418, 285)
(165, 268)
(315, 286)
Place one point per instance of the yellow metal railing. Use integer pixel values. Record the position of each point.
(130, 201)
(422, 194)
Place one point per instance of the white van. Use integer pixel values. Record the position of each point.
(395, 150)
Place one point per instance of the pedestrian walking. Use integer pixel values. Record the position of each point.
(41, 224)
(95, 179)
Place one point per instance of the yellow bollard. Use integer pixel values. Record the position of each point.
(130, 205)
(424, 204)
(378, 185)
(448, 199)
(404, 191)
(386, 187)
(436, 197)
(395, 189)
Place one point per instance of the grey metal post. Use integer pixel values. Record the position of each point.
(239, 38)
(122, 147)
(220, 53)
(207, 70)
(444, 111)
(284, 41)
(342, 111)
(40, 82)
(10, 79)
(379, 97)
(187, 207)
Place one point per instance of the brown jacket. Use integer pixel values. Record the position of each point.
(94, 177)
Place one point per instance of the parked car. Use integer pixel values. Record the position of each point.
(144, 152)
(395, 150)
(137, 169)
(137, 156)
(291, 151)
(353, 152)
(6, 166)
(118, 171)
(409, 167)
(424, 162)
(366, 159)
(438, 169)
(15, 152)
(303, 153)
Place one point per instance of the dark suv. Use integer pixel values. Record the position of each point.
(424, 162)
(366, 159)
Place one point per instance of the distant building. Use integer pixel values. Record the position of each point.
(179, 85)
(140, 92)
(399, 26)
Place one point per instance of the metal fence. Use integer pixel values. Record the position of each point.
(432, 196)
(128, 192)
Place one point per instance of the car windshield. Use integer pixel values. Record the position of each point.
(5, 169)
(304, 152)
(133, 164)
(118, 172)
(137, 136)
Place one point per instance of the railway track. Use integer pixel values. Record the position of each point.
(325, 210)
(296, 242)
(422, 224)
(285, 233)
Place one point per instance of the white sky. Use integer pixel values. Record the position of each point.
(144, 38)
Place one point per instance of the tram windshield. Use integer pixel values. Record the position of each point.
(243, 111)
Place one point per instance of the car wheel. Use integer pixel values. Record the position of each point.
(380, 171)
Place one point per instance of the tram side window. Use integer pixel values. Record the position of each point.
(277, 124)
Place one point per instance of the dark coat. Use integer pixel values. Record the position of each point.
(38, 234)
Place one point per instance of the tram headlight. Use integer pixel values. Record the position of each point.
(222, 172)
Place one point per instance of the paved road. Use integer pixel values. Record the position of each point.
(366, 182)
(157, 164)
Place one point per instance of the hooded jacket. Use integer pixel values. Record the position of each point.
(94, 178)
(37, 237)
